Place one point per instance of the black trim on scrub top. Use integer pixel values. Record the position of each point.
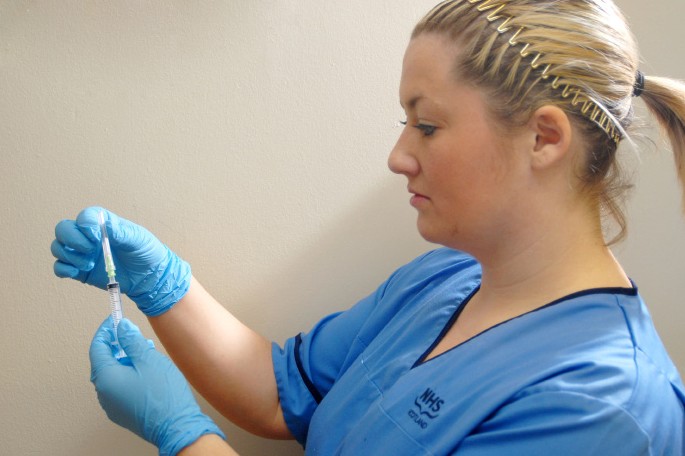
(305, 378)
(606, 290)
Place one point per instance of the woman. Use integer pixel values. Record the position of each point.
(522, 336)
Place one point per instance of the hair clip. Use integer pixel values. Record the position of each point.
(503, 26)
(512, 40)
(605, 121)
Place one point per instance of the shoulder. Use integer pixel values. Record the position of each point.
(604, 354)
(439, 277)
(568, 422)
(445, 257)
(423, 290)
(434, 266)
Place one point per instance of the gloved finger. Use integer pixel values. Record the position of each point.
(65, 271)
(88, 223)
(68, 234)
(84, 262)
(132, 340)
(101, 353)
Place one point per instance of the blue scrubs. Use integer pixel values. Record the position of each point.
(586, 374)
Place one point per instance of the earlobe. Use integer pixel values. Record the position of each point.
(552, 129)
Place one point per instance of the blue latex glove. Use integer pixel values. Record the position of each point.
(147, 271)
(148, 395)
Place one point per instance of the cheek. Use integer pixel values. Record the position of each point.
(473, 171)
(466, 173)
(487, 164)
(473, 186)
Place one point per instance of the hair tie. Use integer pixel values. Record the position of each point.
(639, 86)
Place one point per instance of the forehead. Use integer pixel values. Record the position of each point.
(427, 69)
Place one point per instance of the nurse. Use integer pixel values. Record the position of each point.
(522, 335)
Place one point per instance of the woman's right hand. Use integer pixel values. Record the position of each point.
(147, 271)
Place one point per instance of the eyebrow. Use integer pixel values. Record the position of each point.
(412, 102)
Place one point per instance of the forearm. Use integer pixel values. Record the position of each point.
(228, 363)
(208, 445)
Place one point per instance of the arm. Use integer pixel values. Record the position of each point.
(229, 364)
(208, 445)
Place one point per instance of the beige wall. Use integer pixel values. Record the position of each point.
(252, 138)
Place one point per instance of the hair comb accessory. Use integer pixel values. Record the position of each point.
(639, 86)
(591, 109)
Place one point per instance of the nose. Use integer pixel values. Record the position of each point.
(401, 160)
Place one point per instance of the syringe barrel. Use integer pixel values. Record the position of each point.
(106, 250)
(117, 314)
(115, 302)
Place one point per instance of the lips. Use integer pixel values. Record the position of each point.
(417, 194)
(417, 198)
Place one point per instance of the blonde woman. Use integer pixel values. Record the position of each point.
(523, 335)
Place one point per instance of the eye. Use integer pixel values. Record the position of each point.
(427, 130)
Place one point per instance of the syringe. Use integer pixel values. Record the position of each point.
(112, 285)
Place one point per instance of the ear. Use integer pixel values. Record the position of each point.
(552, 129)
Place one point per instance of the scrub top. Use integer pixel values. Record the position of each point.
(585, 374)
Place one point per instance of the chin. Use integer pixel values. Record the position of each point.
(429, 233)
(433, 234)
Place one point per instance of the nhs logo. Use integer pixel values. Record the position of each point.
(426, 408)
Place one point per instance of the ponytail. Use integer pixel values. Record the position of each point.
(665, 98)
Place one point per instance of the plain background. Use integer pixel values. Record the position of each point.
(252, 138)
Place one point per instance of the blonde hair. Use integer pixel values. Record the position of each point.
(578, 55)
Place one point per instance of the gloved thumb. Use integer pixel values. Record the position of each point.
(132, 340)
(100, 352)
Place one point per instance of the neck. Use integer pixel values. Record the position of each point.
(549, 261)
